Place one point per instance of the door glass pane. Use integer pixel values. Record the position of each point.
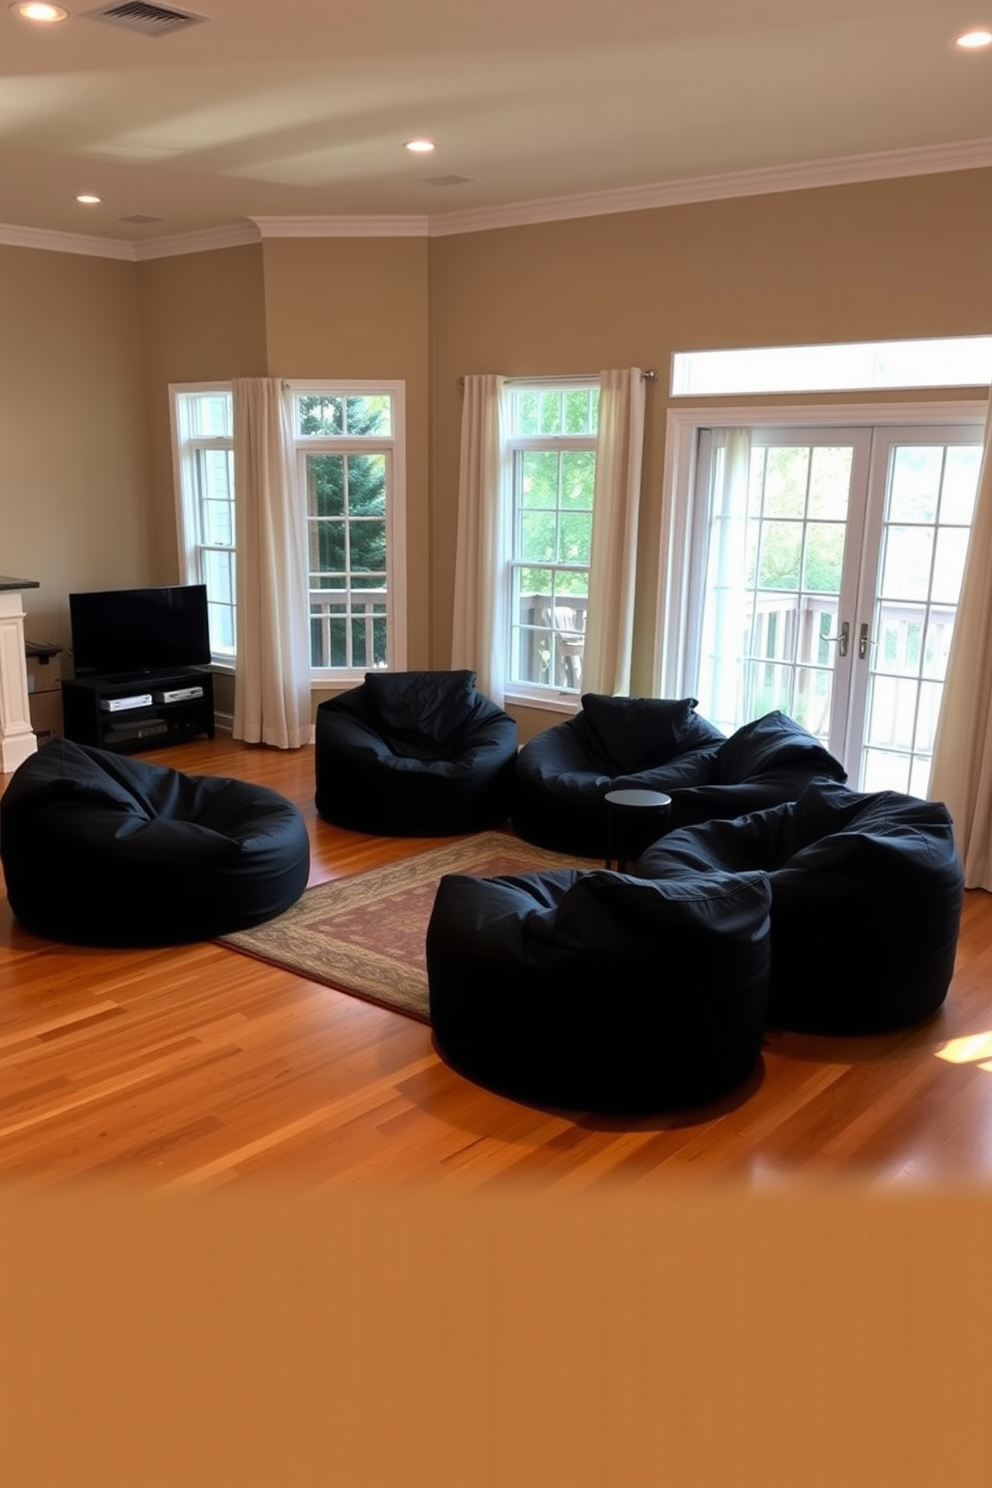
(957, 501)
(776, 558)
(938, 641)
(892, 713)
(924, 543)
(786, 480)
(781, 554)
(915, 487)
(948, 566)
(771, 687)
(928, 710)
(811, 703)
(900, 639)
(830, 482)
(907, 553)
(823, 559)
(886, 770)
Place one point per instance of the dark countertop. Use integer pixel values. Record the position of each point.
(8, 583)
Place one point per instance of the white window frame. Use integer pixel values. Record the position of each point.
(949, 361)
(185, 447)
(548, 697)
(393, 446)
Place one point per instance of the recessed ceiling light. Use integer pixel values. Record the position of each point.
(33, 10)
(970, 40)
(419, 146)
(88, 200)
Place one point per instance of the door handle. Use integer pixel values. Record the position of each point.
(842, 637)
(863, 642)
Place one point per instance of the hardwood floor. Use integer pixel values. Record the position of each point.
(188, 1069)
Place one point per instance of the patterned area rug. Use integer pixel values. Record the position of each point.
(365, 934)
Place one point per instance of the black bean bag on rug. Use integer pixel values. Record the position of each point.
(414, 754)
(617, 743)
(866, 902)
(595, 991)
(101, 849)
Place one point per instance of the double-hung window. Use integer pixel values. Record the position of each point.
(551, 473)
(203, 437)
(348, 461)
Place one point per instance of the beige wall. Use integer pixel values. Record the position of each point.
(74, 508)
(358, 307)
(202, 319)
(302, 308)
(888, 259)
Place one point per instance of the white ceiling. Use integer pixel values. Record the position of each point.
(299, 108)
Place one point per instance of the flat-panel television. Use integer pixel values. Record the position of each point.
(136, 631)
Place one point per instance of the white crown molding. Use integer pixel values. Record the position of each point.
(235, 236)
(343, 227)
(839, 171)
(182, 243)
(57, 242)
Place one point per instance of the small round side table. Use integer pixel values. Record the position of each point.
(634, 819)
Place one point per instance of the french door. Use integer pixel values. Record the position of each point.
(826, 572)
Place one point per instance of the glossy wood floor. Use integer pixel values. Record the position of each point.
(193, 1068)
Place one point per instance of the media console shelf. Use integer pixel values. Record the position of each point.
(89, 717)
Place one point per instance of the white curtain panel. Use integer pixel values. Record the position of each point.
(613, 555)
(727, 604)
(482, 549)
(272, 679)
(961, 773)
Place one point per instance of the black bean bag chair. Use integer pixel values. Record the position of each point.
(866, 902)
(613, 743)
(616, 743)
(101, 849)
(765, 763)
(594, 991)
(414, 754)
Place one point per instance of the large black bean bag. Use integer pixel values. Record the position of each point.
(101, 849)
(765, 763)
(414, 754)
(866, 902)
(562, 775)
(594, 991)
(615, 743)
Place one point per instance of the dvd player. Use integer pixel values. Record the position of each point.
(121, 704)
(177, 694)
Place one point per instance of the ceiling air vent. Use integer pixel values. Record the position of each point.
(150, 20)
(447, 180)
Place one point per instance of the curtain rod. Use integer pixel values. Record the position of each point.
(649, 375)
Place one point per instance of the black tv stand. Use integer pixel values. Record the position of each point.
(88, 717)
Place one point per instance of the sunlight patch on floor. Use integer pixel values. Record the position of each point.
(975, 1048)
